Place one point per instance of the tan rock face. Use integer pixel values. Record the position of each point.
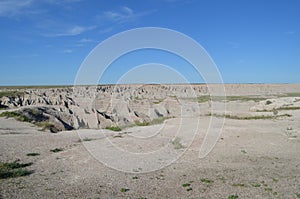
(121, 105)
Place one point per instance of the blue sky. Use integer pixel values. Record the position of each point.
(44, 42)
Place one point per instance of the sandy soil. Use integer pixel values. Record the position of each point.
(252, 159)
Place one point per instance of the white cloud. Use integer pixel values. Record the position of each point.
(10, 8)
(123, 15)
(85, 40)
(73, 31)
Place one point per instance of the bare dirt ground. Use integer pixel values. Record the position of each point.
(254, 158)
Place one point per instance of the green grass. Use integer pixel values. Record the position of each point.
(11, 93)
(186, 185)
(87, 139)
(291, 95)
(138, 123)
(256, 184)
(56, 150)
(113, 128)
(255, 117)
(18, 116)
(207, 181)
(176, 143)
(298, 195)
(189, 189)
(287, 108)
(32, 154)
(206, 98)
(14, 169)
(268, 189)
(47, 126)
(123, 190)
(238, 185)
(233, 196)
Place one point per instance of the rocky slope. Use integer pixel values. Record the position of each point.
(109, 105)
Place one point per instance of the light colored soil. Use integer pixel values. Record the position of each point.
(252, 159)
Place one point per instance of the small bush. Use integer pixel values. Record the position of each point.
(208, 181)
(114, 128)
(138, 123)
(32, 154)
(123, 190)
(268, 102)
(56, 150)
(233, 196)
(177, 144)
(186, 185)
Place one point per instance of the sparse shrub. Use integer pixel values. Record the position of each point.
(186, 185)
(208, 181)
(114, 128)
(233, 196)
(87, 139)
(123, 190)
(256, 184)
(14, 169)
(32, 154)
(138, 123)
(268, 102)
(176, 143)
(56, 150)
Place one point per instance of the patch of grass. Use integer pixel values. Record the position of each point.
(189, 189)
(233, 196)
(255, 117)
(268, 102)
(32, 154)
(11, 93)
(123, 190)
(298, 195)
(138, 123)
(14, 165)
(113, 128)
(268, 189)
(244, 151)
(14, 169)
(186, 185)
(206, 98)
(176, 143)
(207, 181)
(56, 150)
(47, 126)
(287, 108)
(87, 139)
(291, 95)
(256, 184)
(135, 177)
(238, 185)
(275, 179)
(158, 101)
(18, 116)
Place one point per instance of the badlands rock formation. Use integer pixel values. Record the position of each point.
(122, 105)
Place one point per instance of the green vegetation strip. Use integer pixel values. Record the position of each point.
(13, 169)
(11, 93)
(206, 98)
(256, 117)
